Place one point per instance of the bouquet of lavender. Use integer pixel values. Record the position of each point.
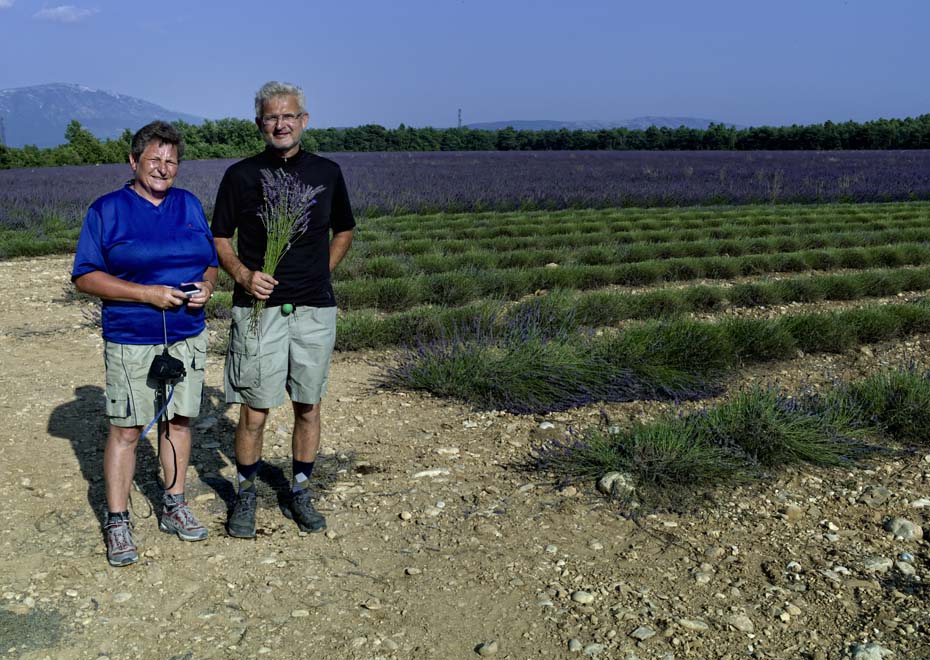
(286, 216)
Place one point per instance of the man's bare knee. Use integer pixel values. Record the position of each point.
(306, 412)
(252, 420)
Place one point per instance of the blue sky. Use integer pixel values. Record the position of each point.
(418, 61)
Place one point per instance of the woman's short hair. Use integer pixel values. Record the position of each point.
(157, 131)
(274, 88)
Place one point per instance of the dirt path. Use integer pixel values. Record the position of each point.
(438, 542)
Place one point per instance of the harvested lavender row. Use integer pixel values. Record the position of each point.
(391, 183)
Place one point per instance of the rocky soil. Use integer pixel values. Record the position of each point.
(440, 543)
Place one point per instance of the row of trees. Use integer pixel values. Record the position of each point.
(236, 138)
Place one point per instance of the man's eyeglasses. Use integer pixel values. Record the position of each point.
(287, 118)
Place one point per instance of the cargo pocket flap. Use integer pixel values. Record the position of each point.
(245, 370)
(117, 402)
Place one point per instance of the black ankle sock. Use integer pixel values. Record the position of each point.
(247, 476)
(115, 516)
(302, 472)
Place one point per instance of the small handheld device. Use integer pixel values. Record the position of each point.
(189, 289)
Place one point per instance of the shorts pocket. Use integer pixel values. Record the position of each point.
(199, 352)
(118, 402)
(245, 370)
(244, 364)
(243, 361)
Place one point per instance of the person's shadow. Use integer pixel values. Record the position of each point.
(83, 423)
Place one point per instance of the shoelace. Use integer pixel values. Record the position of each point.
(120, 535)
(183, 513)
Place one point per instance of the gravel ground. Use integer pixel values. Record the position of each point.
(439, 545)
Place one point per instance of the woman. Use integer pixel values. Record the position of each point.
(137, 247)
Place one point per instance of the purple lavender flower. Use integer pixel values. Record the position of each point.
(286, 216)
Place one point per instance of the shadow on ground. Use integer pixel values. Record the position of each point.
(21, 633)
(82, 423)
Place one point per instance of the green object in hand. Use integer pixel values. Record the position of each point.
(287, 308)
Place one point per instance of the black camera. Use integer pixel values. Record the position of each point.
(166, 368)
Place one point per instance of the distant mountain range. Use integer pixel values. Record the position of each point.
(640, 123)
(40, 114)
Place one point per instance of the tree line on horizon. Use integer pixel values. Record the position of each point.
(238, 138)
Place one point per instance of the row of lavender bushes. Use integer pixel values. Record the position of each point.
(368, 329)
(393, 183)
(394, 294)
(538, 362)
(755, 432)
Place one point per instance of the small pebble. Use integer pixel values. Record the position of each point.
(870, 651)
(877, 565)
(694, 625)
(643, 633)
(583, 597)
(905, 568)
(594, 650)
(433, 472)
(714, 553)
(742, 623)
(487, 648)
(904, 529)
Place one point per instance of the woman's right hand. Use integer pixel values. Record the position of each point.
(164, 297)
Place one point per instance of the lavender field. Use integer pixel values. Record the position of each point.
(393, 183)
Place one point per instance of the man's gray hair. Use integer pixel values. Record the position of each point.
(274, 88)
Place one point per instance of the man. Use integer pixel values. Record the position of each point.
(292, 345)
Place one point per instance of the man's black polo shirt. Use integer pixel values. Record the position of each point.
(303, 274)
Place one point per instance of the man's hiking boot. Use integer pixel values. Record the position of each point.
(121, 549)
(241, 521)
(180, 520)
(301, 510)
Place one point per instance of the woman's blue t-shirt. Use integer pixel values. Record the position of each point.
(130, 238)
